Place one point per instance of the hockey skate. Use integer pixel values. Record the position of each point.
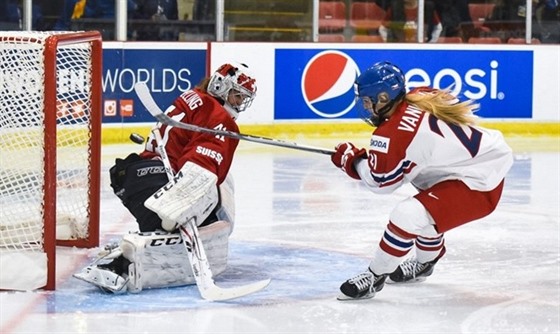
(102, 272)
(103, 278)
(362, 286)
(411, 271)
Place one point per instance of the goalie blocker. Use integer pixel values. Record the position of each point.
(158, 259)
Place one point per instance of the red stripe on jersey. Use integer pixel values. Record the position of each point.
(396, 180)
(399, 232)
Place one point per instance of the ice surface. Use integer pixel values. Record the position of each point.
(303, 223)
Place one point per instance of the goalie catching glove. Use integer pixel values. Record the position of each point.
(192, 194)
(346, 156)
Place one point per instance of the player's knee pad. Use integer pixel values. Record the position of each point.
(159, 259)
(191, 194)
(411, 216)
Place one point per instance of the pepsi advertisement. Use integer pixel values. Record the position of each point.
(167, 73)
(319, 83)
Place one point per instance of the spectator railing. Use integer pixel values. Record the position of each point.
(278, 20)
(149, 30)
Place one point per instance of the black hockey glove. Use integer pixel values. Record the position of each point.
(118, 173)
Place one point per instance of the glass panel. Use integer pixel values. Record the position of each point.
(453, 21)
(504, 21)
(457, 21)
(274, 21)
(400, 23)
(365, 20)
(151, 20)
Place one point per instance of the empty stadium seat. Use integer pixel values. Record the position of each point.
(523, 41)
(332, 16)
(479, 13)
(367, 39)
(334, 38)
(450, 40)
(366, 15)
(485, 40)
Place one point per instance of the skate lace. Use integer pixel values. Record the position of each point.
(363, 281)
(411, 267)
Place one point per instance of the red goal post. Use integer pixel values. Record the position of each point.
(50, 151)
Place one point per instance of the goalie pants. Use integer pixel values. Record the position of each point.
(134, 180)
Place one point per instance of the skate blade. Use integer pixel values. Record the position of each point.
(344, 298)
(415, 280)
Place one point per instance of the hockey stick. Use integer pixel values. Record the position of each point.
(148, 101)
(197, 255)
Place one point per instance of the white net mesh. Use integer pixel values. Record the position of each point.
(22, 143)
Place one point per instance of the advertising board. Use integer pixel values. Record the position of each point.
(168, 71)
(319, 83)
(309, 82)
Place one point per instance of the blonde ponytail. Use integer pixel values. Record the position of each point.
(445, 106)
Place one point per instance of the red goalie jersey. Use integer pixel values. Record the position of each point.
(214, 153)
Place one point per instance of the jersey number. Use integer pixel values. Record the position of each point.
(220, 127)
(472, 143)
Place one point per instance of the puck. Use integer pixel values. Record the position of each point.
(136, 138)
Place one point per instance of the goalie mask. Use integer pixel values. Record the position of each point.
(235, 88)
(382, 83)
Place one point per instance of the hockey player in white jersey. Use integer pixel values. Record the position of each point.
(428, 138)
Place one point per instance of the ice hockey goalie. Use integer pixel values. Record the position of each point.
(145, 260)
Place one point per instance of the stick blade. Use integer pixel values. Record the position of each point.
(217, 293)
(143, 93)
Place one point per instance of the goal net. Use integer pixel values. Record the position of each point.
(50, 123)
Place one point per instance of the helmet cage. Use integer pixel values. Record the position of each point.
(229, 79)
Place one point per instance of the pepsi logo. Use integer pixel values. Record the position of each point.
(327, 83)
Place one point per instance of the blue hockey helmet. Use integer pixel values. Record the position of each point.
(383, 82)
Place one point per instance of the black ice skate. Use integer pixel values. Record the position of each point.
(363, 286)
(411, 271)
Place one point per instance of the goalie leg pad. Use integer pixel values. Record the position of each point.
(159, 259)
(191, 194)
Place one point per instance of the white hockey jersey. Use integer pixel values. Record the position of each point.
(414, 146)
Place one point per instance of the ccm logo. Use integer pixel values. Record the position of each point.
(165, 241)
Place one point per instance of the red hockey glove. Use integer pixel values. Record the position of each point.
(345, 156)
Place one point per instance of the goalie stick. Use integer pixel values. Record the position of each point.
(197, 255)
(147, 100)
